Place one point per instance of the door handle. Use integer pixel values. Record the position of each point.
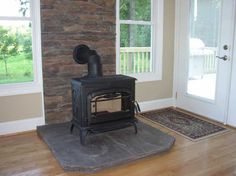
(224, 58)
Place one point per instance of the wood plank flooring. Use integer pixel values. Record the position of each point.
(26, 154)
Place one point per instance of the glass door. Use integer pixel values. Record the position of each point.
(203, 48)
(205, 64)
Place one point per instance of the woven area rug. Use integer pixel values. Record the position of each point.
(105, 149)
(183, 123)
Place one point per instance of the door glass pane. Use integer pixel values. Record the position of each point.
(204, 27)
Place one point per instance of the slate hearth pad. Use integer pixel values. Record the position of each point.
(105, 149)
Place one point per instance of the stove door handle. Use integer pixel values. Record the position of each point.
(137, 107)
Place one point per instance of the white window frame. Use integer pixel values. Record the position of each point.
(36, 85)
(156, 23)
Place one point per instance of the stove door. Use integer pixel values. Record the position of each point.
(110, 105)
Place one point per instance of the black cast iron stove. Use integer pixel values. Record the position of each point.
(101, 103)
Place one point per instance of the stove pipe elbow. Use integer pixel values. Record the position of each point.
(94, 66)
(83, 55)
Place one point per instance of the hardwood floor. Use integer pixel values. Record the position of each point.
(26, 154)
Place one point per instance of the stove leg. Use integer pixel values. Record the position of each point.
(135, 127)
(71, 128)
(82, 134)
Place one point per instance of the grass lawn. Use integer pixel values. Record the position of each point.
(19, 70)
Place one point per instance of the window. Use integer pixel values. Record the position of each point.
(139, 38)
(20, 51)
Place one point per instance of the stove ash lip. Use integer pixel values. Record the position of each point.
(82, 54)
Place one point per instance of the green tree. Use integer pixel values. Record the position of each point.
(8, 46)
(25, 43)
(135, 35)
(24, 6)
(26, 39)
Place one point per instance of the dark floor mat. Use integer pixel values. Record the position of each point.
(184, 123)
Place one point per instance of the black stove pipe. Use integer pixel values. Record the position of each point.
(83, 55)
(94, 65)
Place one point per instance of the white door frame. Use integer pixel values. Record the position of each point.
(231, 118)
(179, 5)
(178, 22)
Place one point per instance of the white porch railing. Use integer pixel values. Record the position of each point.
(210, 60)
(135, 60)
(138, 60)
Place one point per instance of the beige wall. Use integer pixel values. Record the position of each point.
(20, 107)
(29, 106)
(162, 89)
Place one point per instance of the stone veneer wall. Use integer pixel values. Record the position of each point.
(65, 24)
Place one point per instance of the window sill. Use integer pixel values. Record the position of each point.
(146, 77)
(20, 88)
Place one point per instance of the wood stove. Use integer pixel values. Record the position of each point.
(101, 103)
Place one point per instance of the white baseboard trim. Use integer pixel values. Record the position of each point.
(31, 124)
(157, 104)
(20, 125)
